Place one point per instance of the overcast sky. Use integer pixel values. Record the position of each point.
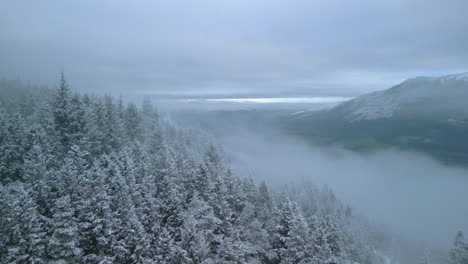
(232, 48)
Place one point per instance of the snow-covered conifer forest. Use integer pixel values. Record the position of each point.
(91, 179)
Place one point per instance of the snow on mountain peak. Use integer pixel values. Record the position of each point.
(384, 104)
(458, 77)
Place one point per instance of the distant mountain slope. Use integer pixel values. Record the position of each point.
(446, 94)
(428, 114)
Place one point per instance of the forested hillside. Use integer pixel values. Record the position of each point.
(423, 114)
(87, 179)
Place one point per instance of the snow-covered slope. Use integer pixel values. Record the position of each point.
(425, 114)
(450, 91)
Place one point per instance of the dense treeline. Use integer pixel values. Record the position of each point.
(88, 179)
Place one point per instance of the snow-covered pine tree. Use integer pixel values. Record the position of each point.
(63, 245)
(76, 127)
(111, 125)
(197, 230)
(133, 123)
(94, 217)
(425, 257)
(147, 106)
(27, 229)
(12, 146)
(253, 234)
(459, 252)
(291, 243)
(61, 110)
(264, 207)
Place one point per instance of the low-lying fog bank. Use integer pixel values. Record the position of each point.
(411, 194)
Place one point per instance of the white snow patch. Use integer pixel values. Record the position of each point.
(384, 104)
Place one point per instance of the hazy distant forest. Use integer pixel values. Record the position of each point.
(91, 179)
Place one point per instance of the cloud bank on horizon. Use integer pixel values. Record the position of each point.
(232, 48)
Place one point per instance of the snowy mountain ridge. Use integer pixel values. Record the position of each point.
(451, 89)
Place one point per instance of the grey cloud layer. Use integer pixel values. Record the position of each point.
(241, 47)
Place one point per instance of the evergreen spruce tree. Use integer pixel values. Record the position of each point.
(63, 246)
(233, 193)
(147, 106)
(27, 229)
(425, 258)
(76, 128)
(254, 236)
(197, 230)
(459, 252)
(133, 123)
(94, 218)
(12, 146)
(112, 126)
(62, 114)
(290, 241)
